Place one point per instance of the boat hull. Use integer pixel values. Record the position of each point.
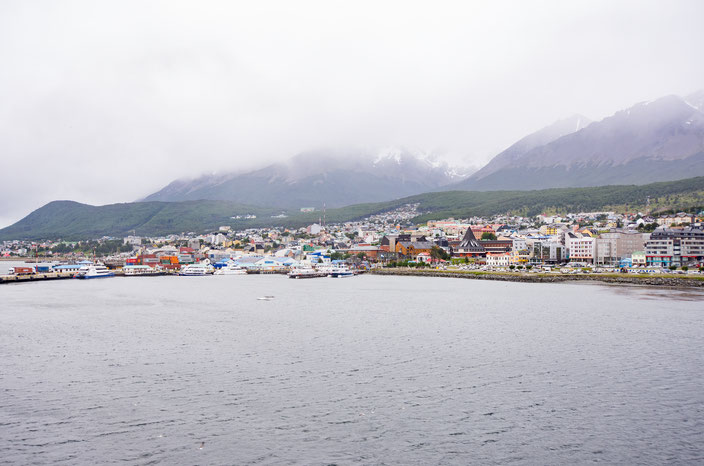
(88, 277)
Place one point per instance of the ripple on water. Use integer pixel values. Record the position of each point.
(381, 370)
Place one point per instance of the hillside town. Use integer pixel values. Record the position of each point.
(581, 241)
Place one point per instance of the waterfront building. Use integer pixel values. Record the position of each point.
(638, 259)
(580, 248)
(545, 251)
(499, 259)
(371, 252)
(497, 246)
(520, 256)
(388, 242)
(424, 257)
(411, 249)
(610, 248)
(470, 247)
(675, 246)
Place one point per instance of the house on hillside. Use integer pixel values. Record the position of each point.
(676, 219)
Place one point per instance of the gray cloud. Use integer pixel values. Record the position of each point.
(108, 101)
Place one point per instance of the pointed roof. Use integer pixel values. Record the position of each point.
(469, 243)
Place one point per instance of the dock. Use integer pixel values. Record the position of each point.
(35, 277)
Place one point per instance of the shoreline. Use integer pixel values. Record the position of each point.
(666, 281)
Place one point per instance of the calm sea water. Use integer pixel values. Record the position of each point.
(369, 370)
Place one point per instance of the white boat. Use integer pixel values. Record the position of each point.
(341, 271)
(94, 271)
(231, 269)
(195, 270)
(325, 269)
(140, 270)
(304, 272)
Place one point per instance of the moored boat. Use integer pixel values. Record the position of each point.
(197, 270)
(341, 271)
(231, 269)
(94, 271)
(141, 271)
(304, 272)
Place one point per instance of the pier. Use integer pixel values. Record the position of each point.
(35, 277)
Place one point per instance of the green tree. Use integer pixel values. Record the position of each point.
(488, 236)
(436, 252)
(337, 255)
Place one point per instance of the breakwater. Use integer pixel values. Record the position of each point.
(669, 280)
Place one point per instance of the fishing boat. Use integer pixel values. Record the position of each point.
(94, 271)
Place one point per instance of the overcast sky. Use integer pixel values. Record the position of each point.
(105, 102)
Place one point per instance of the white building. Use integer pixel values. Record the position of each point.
(218, 239)
(580, 249)
(133, 240)
(314, 229)
(499, 259)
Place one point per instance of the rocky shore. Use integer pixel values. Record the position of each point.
(667, 280)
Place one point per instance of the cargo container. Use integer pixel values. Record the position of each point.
(185, 259)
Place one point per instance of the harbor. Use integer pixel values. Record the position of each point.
(24, 272)
(324, 271)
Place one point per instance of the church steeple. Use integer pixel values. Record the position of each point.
(470, 245)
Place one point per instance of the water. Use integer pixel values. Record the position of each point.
(369, 370)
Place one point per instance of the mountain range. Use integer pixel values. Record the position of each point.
(660, 140)
(73, 221)
(334, 178)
